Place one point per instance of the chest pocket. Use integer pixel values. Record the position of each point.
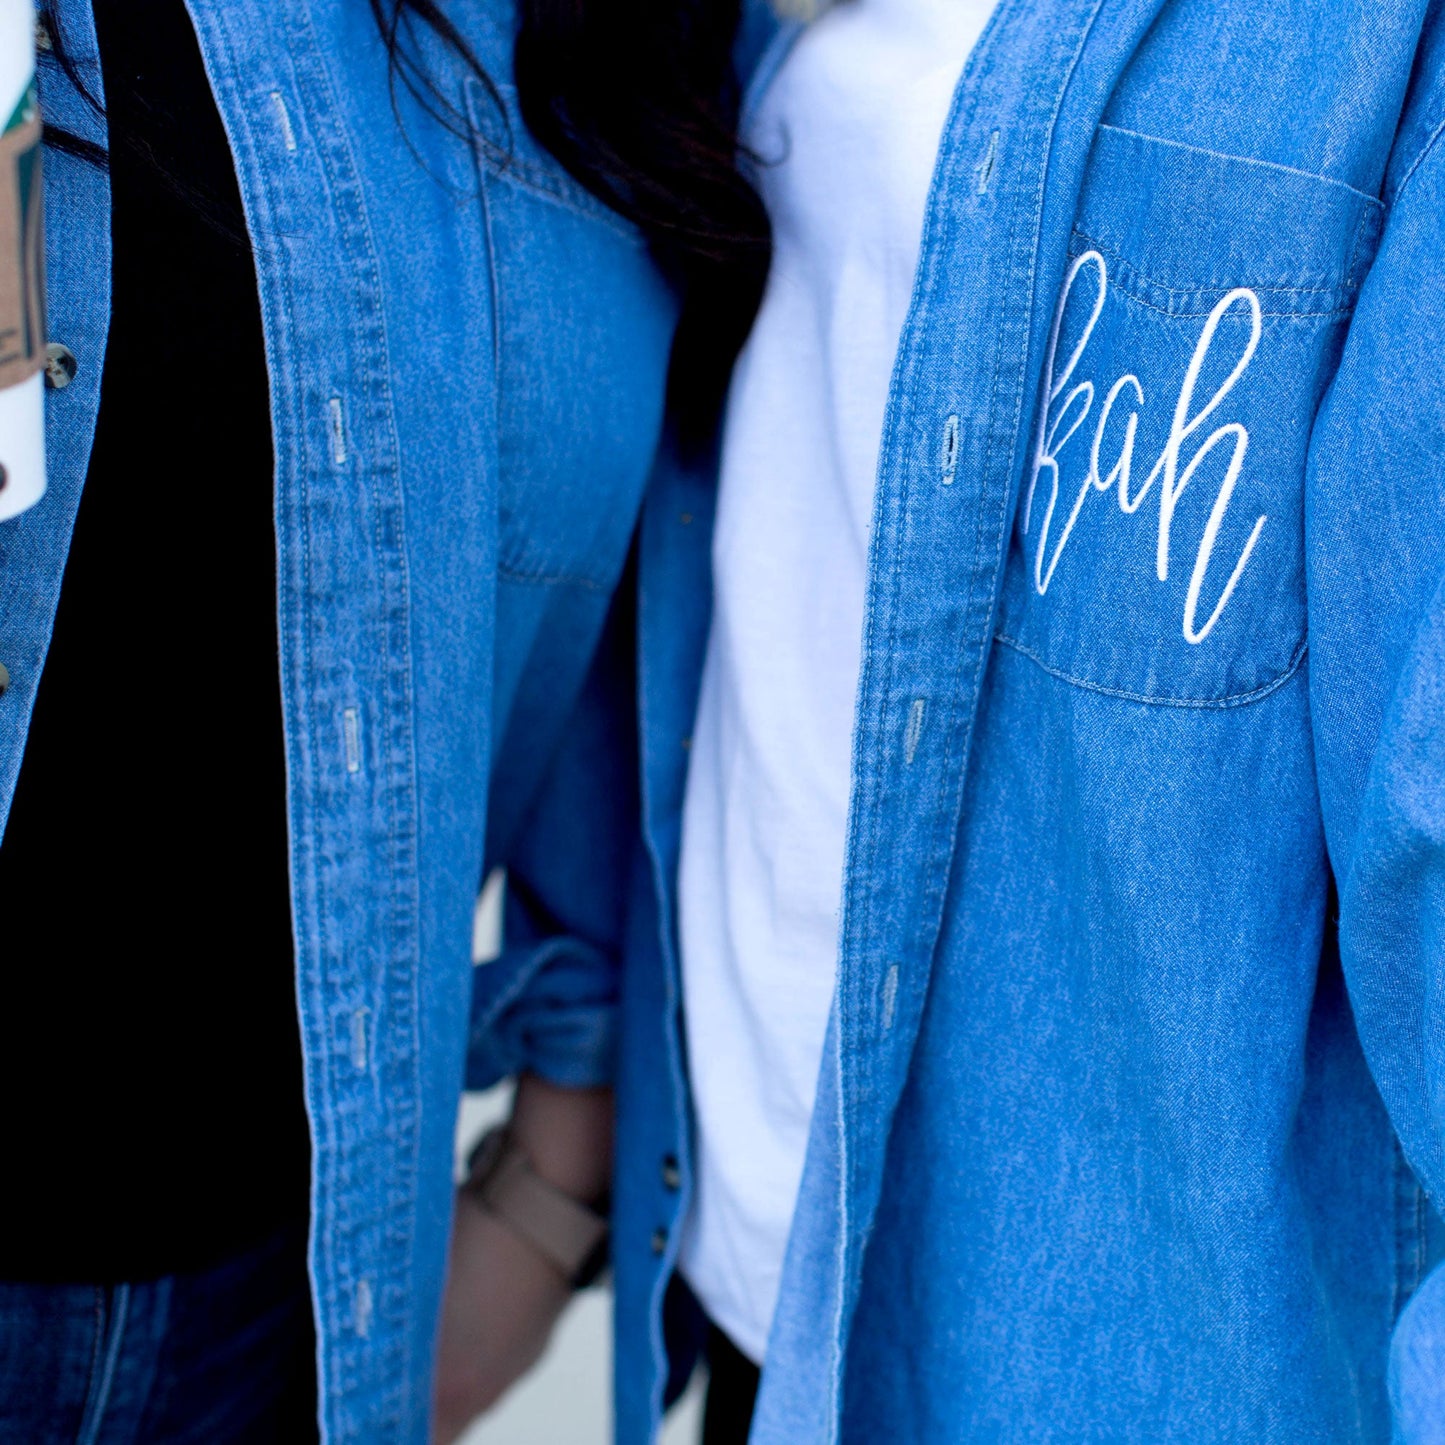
(581, 335)
(1158, 551)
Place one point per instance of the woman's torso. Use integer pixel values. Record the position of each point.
(465, 357)
(1086, 886)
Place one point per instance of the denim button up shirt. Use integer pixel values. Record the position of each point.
(466, 359)
(1132, 1107)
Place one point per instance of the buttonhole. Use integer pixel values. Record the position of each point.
(913, 732)
(984, 170)
(283, 119)
(358, 1039)
(351, 732)
(890, 996)
(950, 449)
(338, 432)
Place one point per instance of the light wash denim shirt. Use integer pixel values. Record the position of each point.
(466, 357)
(1133, 1103)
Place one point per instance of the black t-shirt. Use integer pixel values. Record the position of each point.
(149, 1051)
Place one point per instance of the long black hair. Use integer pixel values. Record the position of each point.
(638, 100)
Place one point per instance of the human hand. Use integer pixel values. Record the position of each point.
(503, 1296)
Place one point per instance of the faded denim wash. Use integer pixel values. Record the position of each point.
(1132, 1110)
(466, 356)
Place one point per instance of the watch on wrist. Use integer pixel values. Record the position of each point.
(563, 1230)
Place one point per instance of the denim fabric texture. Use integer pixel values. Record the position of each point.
(219, 1357)
(1132, 1110)
(466, 355)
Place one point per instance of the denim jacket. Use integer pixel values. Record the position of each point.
(466, 358)
(1132, 1109)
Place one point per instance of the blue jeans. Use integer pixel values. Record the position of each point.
(224, 1356)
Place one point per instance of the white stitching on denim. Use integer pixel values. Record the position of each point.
(950, 449)
(890, 997)
(283, 119)
(1052, 389)
(351, 737)
(913, 731)
(1122, 694)
(360, 1053)
(983, 171)
(1239, 160)
(1172, 481)
(1134, 283)
(338, 431)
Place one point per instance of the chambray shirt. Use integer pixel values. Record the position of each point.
(466, 357)
(1132, 1111)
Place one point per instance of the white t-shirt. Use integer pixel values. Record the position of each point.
(849, 133)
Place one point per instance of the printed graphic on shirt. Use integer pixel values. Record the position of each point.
(1158, 550)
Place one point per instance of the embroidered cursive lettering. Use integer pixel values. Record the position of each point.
(1059, 422)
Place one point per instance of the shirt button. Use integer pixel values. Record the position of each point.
(4, 678)
(59, 366)
(659, 1241)
(671, 1174)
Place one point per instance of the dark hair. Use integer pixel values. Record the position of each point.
(639, 101)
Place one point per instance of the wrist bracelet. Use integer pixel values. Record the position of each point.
(564, 1231)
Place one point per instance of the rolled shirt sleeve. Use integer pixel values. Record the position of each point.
(548, 1003)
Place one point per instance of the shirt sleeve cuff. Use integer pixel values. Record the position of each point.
(548, 1009)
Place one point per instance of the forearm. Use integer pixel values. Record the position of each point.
(567, 1135)
(503, 1294)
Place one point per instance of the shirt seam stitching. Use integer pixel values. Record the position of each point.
(1420, 159)
(1131, 270)
(1230, 700)
(1244, 161)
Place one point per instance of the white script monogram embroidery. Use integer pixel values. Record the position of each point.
(1056, 427)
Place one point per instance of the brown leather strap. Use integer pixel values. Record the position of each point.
(503, 1182)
